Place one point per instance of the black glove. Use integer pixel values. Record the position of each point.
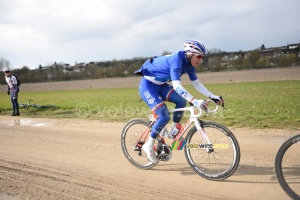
(216, 99)
(8, 92)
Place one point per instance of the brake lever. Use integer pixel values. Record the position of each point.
(222, 102)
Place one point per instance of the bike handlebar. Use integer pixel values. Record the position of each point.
(196, 112)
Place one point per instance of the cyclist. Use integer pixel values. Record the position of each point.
(154, 89)
(12, 90)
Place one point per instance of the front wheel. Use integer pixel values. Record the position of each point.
(287, 166)
(134, 134)
(215, 161)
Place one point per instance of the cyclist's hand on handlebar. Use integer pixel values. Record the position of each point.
(199, 103)
(217, 99)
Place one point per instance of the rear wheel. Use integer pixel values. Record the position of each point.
(215, 161)
(134, 134)
(45, 106)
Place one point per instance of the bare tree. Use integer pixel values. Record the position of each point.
(4, 63)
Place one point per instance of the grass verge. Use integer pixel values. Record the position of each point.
(254, 105)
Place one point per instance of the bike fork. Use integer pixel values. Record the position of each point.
(204, 137)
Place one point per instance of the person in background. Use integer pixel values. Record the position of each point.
(155, 90)
(12, 90)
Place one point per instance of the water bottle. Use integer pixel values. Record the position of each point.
(175, 131)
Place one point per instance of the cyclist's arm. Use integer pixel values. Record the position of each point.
(175, 71)
(178, 87)
(201, 88)
(196, 83)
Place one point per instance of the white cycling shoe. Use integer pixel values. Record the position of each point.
(148, 148)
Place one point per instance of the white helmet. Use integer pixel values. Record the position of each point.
(194, 47)
(6, 69)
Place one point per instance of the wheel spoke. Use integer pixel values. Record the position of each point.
(222, 160)
(132, 132)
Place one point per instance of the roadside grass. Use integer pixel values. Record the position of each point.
(255, 105)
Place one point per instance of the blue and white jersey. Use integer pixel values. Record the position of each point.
(11, 82)
(168, 68)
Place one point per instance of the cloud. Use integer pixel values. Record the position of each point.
(34, 32)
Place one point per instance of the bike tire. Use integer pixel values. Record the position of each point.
(46, 106)
(131, 132)
(221, 162)
(282, 172)
(23, 105)
(42, 106)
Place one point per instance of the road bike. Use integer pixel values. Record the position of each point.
(287, 166)
(210, 148)
(28, 104)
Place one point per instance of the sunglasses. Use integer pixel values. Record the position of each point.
(199, 56)
(6, 71)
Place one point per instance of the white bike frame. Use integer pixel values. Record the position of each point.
(195, 113)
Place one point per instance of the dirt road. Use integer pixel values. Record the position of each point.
(81, 159)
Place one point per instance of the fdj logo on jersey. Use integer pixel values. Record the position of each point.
(149, 98)
(180, 92)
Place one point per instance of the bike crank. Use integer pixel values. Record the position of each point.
(164, 153)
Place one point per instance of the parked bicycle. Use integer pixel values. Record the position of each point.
(28, 104)
(210, 148)
(287, 166)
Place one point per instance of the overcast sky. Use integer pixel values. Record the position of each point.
(34, 32)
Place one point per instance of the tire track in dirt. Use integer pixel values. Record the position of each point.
(58, 184)
(33, 168)
(82, 159)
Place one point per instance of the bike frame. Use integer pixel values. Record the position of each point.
(27, 105)
(195, 113)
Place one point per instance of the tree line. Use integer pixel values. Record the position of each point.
(215, 60)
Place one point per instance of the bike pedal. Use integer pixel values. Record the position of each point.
(136, 148)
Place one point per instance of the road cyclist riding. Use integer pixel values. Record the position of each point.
(155, 91)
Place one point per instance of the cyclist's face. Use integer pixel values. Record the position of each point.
(7, 73)
(196, 60)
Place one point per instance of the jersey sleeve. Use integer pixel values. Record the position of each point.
(178, 87)
(14, 80)
(175, 68)
(192, 74)
(201, 88)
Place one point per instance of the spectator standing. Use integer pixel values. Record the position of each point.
(12, 90)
